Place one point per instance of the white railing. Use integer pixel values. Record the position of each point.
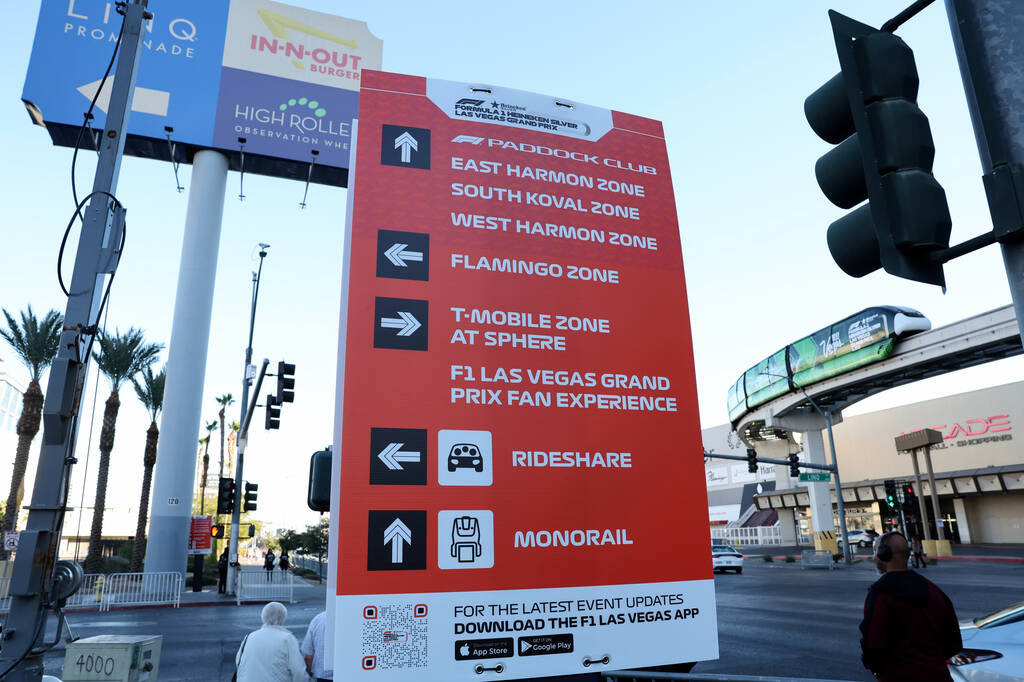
(260, 585)
(141, 589)
(754, 535)
(816, 558)
(90, 594)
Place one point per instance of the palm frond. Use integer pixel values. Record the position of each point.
(35, 341)
(151, 390)
(122, 356)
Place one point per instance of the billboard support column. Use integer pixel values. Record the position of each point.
(174, 479)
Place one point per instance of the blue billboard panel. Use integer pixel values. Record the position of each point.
(208, 68)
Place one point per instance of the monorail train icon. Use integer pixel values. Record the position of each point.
(466, 545)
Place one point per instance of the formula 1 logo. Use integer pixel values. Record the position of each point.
(468, 138)
(469, 101)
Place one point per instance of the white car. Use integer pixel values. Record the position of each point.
(993, 647)
(858, 538)
(725, 558)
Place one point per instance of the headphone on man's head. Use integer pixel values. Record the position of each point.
(884, 551)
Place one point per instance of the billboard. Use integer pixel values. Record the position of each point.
(282, 78)
(200, 541)
(520, 488)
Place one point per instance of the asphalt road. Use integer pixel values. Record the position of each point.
(774, 619)
(778, 620)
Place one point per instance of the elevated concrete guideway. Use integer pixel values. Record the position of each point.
(769, 428)
(973, 341)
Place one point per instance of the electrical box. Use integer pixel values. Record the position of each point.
(113, 658)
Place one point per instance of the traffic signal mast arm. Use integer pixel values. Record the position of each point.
(766, 460)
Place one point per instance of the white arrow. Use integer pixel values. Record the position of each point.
(398, 255)
(407, 142)
(145, 101)
(393, 456)
(395, 534)
(405, 323)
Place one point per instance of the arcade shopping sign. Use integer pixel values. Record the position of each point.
(519, 492)
(283, 79)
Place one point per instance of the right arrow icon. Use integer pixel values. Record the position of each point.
(405, 323)
(397, 534)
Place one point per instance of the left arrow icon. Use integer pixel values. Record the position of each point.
(405, 323)
(145, 100)
(393, 456)
(395, 535)
(398, 255)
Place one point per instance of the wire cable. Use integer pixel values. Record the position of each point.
(92, 105)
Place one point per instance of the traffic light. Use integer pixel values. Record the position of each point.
(285, 382)
(252, 531)
(884, 154)
(217, 531)
(909, 499)
(272, 420)
(249, 503)
(794, 465)
(318, 496)
(752, 460)
(226, 496)
(890, 493)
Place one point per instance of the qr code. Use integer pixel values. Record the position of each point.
(394, 636)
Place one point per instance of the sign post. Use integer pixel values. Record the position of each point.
(515, 492)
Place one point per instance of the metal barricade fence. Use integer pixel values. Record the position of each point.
(141, 589)
(90, 594)
(260, 585)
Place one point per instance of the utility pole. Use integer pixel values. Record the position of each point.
(243, 433)
(987, 35)
(32, 584)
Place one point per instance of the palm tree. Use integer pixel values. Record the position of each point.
(36, 343)
(210, 428)
(119, 359)
(235, 428)
(223, 401)
(151, 393)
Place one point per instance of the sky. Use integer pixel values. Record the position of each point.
(727, 79)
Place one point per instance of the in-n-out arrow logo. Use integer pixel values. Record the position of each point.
(398, 456)
(400, 323)
(403, 255)
(396, 540)
(405, 147)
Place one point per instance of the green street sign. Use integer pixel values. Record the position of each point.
(816, 476)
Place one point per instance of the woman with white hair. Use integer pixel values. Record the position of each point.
(270, 654)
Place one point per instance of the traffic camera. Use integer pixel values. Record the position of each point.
(249, 503)
(272, 420)
(285, 382)
(884, 154)
(226, 496)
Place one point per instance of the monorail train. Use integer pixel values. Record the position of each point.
(857, 340)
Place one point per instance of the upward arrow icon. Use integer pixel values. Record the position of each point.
(396, 534)
(408, 144)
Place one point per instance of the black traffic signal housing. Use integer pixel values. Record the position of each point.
(226, 495)
(285, 382)
(794, 465)
(318, 496)
(884, 154)
(217, 530)
(890, 493)
(249, 503)
(752, 460)
(272, 420)
(252, 531)
(910, 505)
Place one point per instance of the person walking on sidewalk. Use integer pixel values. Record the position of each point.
(284, 562)
(268, 564)
(271, 653)
(910, 628)
(918, 550)
(312, 649)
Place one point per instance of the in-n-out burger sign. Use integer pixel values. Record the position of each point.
(970, 431)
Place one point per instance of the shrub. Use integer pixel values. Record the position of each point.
(790, 559)
(115, 564)
(767, 558)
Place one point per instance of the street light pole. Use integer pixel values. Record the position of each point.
(233, 567)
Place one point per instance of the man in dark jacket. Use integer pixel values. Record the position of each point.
(910, 628)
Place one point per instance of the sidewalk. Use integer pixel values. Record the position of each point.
(305, 590)
(972, 552)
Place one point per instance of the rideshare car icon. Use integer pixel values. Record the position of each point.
(465, 456)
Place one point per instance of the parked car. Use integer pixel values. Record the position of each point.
(859, 537)
(725, 558)
(993, 647)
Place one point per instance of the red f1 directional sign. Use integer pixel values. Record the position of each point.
(520, 489)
